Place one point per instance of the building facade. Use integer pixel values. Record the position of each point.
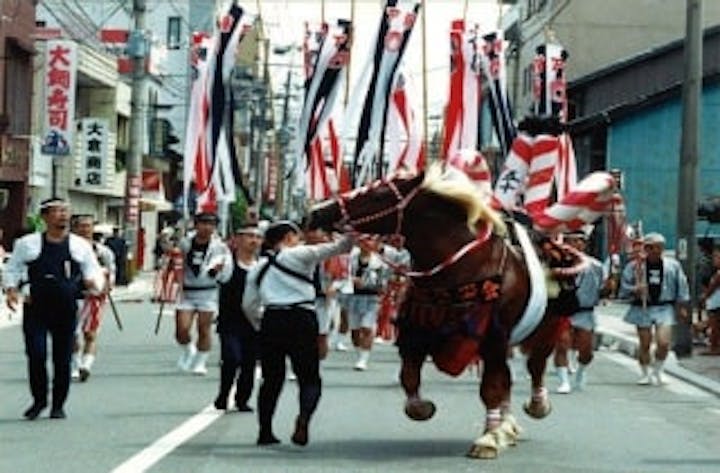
(17, 25)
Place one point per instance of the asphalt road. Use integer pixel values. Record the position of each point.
(137, 413)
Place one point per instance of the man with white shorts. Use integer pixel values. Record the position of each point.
(207, 262)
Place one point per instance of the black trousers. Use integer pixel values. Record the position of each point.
(238, 351)
(288, 333)
(37, 324)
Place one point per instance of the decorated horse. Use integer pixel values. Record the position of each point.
(473, 293)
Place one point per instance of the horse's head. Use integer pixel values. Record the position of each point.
(375, 208)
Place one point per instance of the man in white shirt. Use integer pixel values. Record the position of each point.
(57, 266)
(279, 300)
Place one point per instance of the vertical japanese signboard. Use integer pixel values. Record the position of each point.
(94, 153)
(60, 73)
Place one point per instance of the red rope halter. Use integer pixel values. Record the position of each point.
(399, 207)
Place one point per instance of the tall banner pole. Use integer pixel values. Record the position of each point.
(424, 74)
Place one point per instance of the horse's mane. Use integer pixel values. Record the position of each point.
(452, 184)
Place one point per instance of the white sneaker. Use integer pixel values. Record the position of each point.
(186, 359)
(340, 346)
(361, 365)
(199, 365)
(658, 378)
(644, 380)
(75, 374)
(564, 388)
(580, 379)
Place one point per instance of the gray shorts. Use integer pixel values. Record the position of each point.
(362, 311)
(205, 300)
(652, 315)
(584, 320)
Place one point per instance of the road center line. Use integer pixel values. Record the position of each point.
(147, 457)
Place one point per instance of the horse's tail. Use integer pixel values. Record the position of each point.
(537, 301)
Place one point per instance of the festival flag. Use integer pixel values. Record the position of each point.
(196, 169)
(405, 149)
(395, 28)
(231, 29)
(549, 83)
(210, 163)
(463, 109)
(493, 62)
(326, 53)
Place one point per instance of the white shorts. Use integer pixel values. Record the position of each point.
(326, 309)
(362, 311)
(205, 300)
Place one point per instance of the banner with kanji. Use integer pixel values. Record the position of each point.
(59, 105)
(94, 152)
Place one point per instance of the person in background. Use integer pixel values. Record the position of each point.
(367, 272)
(117, 244)
(710, 302)
(579, 335)
(280, 301)
(91, 310)
(207, 262)
(238, 338)
(58, 267)
(657, 287)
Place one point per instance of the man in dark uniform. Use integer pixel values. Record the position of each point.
(279, 300)
(238, 339)
(57, 267)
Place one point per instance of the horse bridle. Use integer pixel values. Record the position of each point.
(348, 222)
(399, 208)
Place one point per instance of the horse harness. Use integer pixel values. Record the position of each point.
(466, 308)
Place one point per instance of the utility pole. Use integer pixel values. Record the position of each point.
(262, 120)
(284, 148)
(686, 247)
(137, 49)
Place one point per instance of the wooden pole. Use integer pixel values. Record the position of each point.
(424, 75)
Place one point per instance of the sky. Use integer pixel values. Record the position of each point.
(284, 24)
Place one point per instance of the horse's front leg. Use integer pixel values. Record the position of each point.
(501, 429)
(416, 408)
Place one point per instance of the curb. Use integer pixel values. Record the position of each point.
(628, 345)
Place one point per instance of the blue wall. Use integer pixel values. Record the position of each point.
(646, 147)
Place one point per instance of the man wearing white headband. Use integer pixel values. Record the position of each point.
(208, 262)
(658, 289)
(57, 266)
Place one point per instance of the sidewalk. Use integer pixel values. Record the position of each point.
(612, 331)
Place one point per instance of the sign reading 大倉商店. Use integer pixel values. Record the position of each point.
(60, 72)
(94, 142)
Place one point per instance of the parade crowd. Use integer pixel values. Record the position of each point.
(275, 293)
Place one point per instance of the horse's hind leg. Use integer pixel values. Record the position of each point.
(416, 408)
(539, 348)
(495, 394)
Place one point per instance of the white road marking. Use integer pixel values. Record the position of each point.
(149, 456)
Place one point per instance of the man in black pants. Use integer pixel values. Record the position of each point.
(59, 266)
(238, 339)
(283, 284)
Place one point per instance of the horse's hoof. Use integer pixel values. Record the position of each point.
(487, 446)
(511, 429)
(537, 410)
(419, 409)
